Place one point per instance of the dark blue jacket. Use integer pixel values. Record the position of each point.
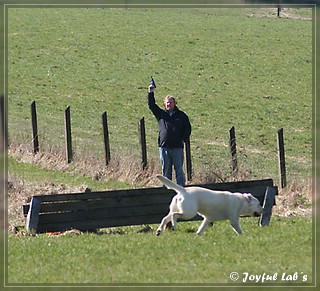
(174, 129)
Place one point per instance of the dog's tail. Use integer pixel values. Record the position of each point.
(170, 184)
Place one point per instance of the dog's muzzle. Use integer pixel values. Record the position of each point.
(257, 214)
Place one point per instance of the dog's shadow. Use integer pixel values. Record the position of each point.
(191, 230)
(187, 229)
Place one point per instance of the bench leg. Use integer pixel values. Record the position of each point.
(269, 199)
(33, 216)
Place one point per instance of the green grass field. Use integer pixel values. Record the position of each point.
(241, 67)
(125, 256)
(225, 66)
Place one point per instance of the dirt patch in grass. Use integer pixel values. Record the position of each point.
(287, 13)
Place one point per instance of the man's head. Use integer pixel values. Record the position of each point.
(169, 103)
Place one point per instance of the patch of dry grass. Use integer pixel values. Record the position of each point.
(123, 167)
(294, 200)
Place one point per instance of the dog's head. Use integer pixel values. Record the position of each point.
(253, 206)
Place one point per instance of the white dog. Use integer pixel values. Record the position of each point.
(211, 205)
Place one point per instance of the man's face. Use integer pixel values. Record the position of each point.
(169, 104)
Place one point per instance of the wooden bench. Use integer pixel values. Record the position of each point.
(94, 210)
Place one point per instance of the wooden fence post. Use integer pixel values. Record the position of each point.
(281, 159)
(106, 137)
(34, 122)
(279, 8)
(278, 11)
(233, 150)
(143, 144)
(188, 160)
(68, 135)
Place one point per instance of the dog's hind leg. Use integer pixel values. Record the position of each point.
(203, 225)
(174, 218)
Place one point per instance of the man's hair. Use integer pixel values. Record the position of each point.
(168, 97)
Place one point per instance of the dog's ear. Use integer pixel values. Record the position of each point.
(248, 197)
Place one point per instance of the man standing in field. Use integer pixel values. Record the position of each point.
(174, 130)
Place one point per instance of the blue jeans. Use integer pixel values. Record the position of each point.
(172, 157)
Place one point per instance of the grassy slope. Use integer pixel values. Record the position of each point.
(254, 73)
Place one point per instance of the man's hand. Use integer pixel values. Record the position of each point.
(151, 88)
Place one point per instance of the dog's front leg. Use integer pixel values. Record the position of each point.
(163, 223)
(203, 225)
(236, 226)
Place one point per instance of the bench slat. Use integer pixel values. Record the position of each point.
(230, 186)
(104, 223)
(106, 204)
(101, 213)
